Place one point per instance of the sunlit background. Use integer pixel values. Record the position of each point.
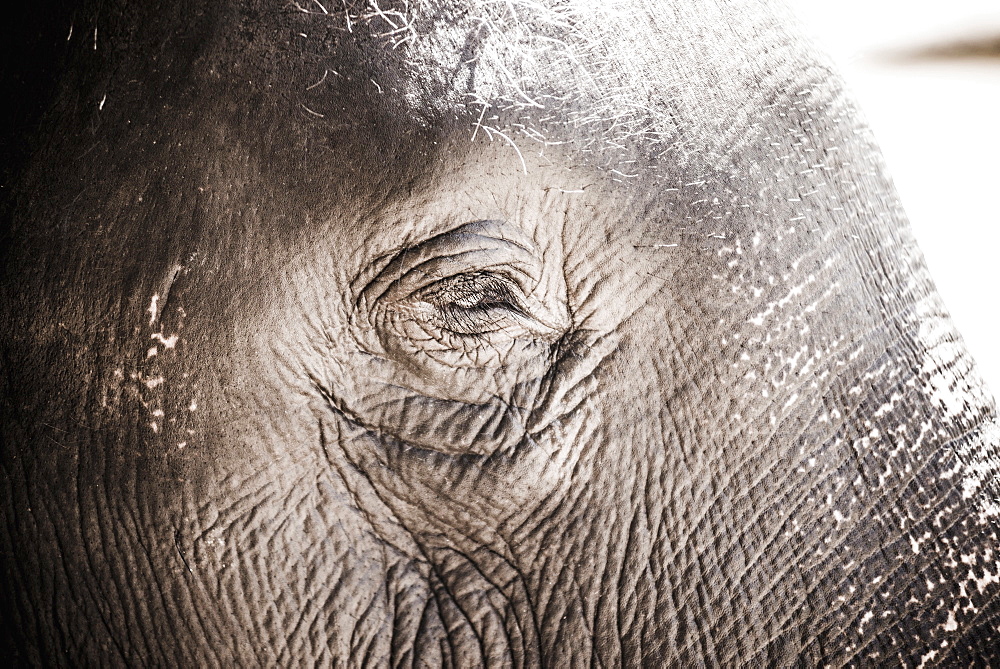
(927, 76)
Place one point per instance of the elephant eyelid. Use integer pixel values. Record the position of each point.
(473, 289)
(468, 304)
(478, 246)
(480, 280)
(468, 271)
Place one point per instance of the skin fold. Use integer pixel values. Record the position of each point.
(468, 334)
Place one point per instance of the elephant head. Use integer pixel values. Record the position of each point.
(467, 333)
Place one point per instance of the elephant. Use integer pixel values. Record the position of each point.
(469, 333)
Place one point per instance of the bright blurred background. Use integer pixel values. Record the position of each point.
(927, 77)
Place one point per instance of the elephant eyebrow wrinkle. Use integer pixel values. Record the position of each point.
(323, 444)
(177, 547)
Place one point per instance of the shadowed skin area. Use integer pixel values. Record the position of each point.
(305, 363)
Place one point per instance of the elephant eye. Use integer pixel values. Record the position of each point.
(457, 334)
(476, 296)
(475, 303)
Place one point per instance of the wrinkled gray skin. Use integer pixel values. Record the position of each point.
(305, 362)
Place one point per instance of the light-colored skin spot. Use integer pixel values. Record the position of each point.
(153, 309)
(865, 619)
(153, 376)
(927, 657)
(915, 543)
(987, 579)
(980, 465)
(168, 342)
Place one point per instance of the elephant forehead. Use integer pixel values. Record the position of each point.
(613, 75)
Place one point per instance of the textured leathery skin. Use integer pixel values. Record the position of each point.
(670, 390)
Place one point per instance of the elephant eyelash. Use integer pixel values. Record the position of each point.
(475, 303)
